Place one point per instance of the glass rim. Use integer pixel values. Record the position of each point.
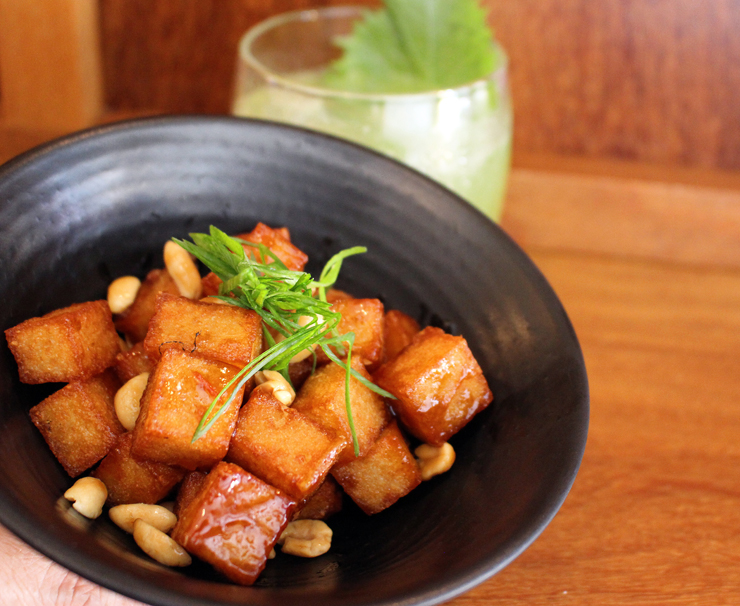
(316, 14)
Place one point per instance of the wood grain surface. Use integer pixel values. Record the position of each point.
(653, 81)
(625, 209)
(654, 514)
(49, 65)
(179, 56)
(644, 254)
(650, 81)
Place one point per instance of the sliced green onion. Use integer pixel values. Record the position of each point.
(280, 297)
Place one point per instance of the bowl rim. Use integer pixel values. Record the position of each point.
(78, 562)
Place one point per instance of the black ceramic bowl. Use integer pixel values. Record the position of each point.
(78, 212)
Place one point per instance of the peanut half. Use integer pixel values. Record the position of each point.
(306, 538)
(88, 496)
(158, 546)
(182, 269)
(127, 401)
(276, 383)
(122, 293)
(157, 516)
(434, 460)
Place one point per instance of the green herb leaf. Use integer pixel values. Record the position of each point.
(281, 297)
(414, 46)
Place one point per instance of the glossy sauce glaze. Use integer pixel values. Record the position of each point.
(234, 522)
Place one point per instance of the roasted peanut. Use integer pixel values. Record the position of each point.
(274, 381)
(88, 496)
(168, 505)
(214, 301)
(434, 460)
(127, 401)
(158, 546)
(182, 269)
(302, 355)
(306, 538)
(122, 293)
(157, 516)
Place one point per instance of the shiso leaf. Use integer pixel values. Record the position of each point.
(414, 46)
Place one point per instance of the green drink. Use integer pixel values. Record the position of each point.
(460, 137)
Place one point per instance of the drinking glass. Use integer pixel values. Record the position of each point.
(461, 137)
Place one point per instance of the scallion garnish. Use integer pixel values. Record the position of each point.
(281, 297)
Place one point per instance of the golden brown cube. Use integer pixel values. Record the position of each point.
(131, 480)
(322, 399)
(323, 503)
(438, 383)
(70, 344)
(300, 371)
(178, 394)
(398, 331)
(133, 362)
(234, 522)
(79, 422)
(385, 474)
(134, 322)
(364, 317)
(278, 241)
(334, 294)
(282, 446)
(191, 485)
(226, 333)
(209, 284)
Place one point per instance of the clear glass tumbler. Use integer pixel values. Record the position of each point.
(461, 137)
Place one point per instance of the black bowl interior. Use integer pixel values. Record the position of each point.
(76, 213)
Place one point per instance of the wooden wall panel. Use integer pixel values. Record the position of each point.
(648, 80)
(178, 56)
(49, 65)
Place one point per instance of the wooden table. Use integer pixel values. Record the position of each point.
(647, 264)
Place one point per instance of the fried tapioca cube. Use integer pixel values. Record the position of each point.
(438, 383)
(209, 284)
(283, 446)
(385, 474)
(322, 398)
(226, 333)
(179, 392)
(334, 294)
(189, 488)
(70, 344)
(322, 504)
(133, 362)
(364, 317)
(131, 480)
(278, 241)
(79, 422)
(134, 321)
(398, 331)
(300, 371)
(234, 522)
